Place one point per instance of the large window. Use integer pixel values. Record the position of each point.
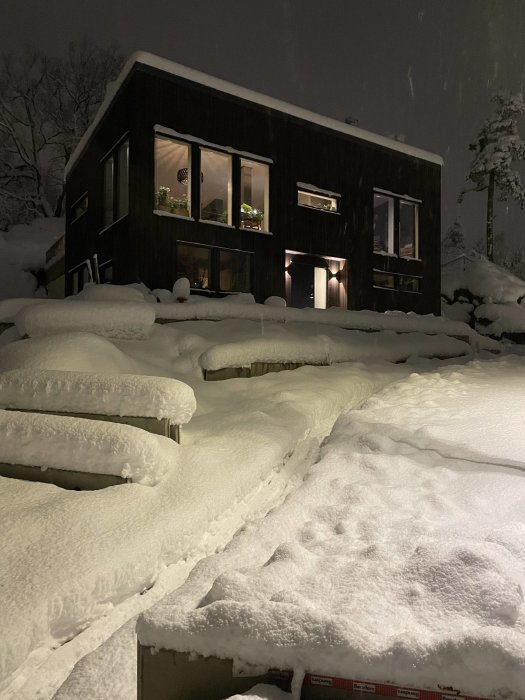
(254, 195)
(394, 214)
(216, 186)
(214, 269)
(234, 271)
(193, 262)
(172, 176)
(116, 184)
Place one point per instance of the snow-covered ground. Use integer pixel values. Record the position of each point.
(77, 566)
(401, 557)
(71, 557)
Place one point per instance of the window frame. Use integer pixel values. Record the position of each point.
(189, 186)
(394, 224)
(113, 156)
(312, 191)
(214, 269)
(396, 278)
(75, 204)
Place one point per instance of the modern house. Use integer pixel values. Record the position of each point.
(183, 174)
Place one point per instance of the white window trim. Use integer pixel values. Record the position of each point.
(317, 190)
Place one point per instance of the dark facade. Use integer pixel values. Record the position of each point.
(283, 205)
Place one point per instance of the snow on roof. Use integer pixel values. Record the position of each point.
(90, 392)
(97, 447)
(196, 76)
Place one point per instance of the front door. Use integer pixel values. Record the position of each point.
(308, 282)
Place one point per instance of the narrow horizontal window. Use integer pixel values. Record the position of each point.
(409, 284)
(384, 279)
(317, 201)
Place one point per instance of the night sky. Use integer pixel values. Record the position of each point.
(422, 68)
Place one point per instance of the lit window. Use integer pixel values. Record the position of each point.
(116, 184)
(234, 271)
(316, 201)
(383, 224)
(391, 214)
(408, 225)
(216, 186)
(254, 195)
(172, 176)
(193, 262)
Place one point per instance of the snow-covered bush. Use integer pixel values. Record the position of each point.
(108, 292)
(181, 290)
(275, 301)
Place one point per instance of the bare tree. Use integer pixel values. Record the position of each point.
(46, 104)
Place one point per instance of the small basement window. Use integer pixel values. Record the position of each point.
(409, 284)
(193, 262)
(234, 271)
(396, 282)
(384, 279)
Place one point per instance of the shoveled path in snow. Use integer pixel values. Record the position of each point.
(70, 558)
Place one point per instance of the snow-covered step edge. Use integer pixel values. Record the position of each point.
(81, 445)
(90, 392)
(126, 320)
(323, 350)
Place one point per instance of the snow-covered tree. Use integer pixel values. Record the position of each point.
(46, 105)
(497, 147)
(453, 243)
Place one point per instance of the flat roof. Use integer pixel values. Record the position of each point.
(163, 64)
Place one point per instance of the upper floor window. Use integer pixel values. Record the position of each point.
(172, 176)
(309, 196)
(116, 184)
(396, 226)
(254, 195)
(216, 186)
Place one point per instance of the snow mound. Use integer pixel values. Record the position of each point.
(483, 279)
(10, 307)
(125, 320)
(108, 292)
(89, 392)
(504, 318)
(77, 352)
(82, 445)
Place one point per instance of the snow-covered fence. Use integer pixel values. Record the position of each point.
(159, 405)
(78, 453)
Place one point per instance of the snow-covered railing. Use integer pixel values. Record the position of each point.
(79, 453)
(157, 404)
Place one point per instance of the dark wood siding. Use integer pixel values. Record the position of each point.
(143, 246)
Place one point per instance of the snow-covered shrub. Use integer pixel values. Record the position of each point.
(163, 295)
(275, 301)
(181, 290)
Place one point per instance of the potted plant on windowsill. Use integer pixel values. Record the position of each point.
(251, 217)
(174, 205)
